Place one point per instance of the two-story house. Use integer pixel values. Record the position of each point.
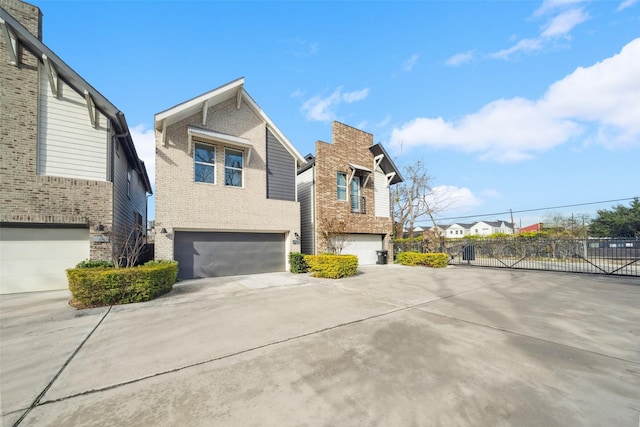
(71, 184)
(344, 193)
(225, 186)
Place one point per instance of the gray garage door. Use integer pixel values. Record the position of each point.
(208, 254)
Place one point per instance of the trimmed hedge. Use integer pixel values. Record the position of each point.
(297, 264)
(332, 266)
(96, 287)
(435, 260)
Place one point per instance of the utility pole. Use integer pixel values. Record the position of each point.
(513, 224)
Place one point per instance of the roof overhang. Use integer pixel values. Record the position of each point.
(56, 69)
(361, 171)
(209, 135)
(202, 103)
(383, 160)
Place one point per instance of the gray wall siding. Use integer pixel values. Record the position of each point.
(307, 211)
(281, 171)
(126, 205)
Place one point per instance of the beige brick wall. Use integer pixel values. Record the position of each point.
(350, 145)
(182, 204)
(26, 197)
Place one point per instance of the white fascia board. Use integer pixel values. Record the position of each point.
(194, 105)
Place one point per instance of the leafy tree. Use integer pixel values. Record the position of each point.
(621, 221)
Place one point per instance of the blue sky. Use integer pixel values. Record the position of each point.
(509, 104)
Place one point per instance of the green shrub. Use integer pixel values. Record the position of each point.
(297, 263)
(94, 263)
(95, 287)
(435, 260)
(332, 266)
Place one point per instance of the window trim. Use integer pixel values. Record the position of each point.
(345, 187)
(198, 162)
(241, 169)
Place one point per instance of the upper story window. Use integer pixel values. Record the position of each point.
(204, 157)
(342, 185)
(233, 167)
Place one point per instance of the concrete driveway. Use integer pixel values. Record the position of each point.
(393, 346)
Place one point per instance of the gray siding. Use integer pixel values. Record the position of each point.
(126, 205)
(281, 171)
(307, 210)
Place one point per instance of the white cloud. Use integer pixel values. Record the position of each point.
(411, 62)
(599, 103)
(563, 23)
(625, 4)
(562, 17)
(323, 109)
(552, 5)
(145, 141)
(449, 198)
(354, 96)
(524, 45)
(460, 59)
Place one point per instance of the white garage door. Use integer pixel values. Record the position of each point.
(35, 259)
(364, 246)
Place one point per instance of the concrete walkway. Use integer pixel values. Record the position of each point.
(393, 346)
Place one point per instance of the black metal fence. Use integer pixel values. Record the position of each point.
(601, 256)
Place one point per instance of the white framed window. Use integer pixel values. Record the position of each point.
(204, 158)
(341, 182)
(233, 167)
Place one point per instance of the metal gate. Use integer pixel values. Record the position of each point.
(601, 256)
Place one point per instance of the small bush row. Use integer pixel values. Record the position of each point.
(435, 260)
(100, 286)
(332, 266)
(297, 264)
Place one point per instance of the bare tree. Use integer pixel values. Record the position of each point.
(409, 198)
(129, 244)
(333, 231)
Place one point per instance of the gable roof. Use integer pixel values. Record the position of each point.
(201, 103)
(462, 225)
(65, 73)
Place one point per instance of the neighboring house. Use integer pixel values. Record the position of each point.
(458, 230)
(485, 228)
(225, 187)
(346, 186)
(72, 185)
(531, 228)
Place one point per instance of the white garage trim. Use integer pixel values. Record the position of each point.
(35, 259)
(364, 246)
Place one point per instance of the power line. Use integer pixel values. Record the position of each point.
(536, 209)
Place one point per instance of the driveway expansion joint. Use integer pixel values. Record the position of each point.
(38, 399)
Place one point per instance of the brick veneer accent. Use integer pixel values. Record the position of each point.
(25, 196)
(350, 145)
(182, 204)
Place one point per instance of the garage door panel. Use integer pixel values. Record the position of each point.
(36, 259)
(213, 254)
(364, 246)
